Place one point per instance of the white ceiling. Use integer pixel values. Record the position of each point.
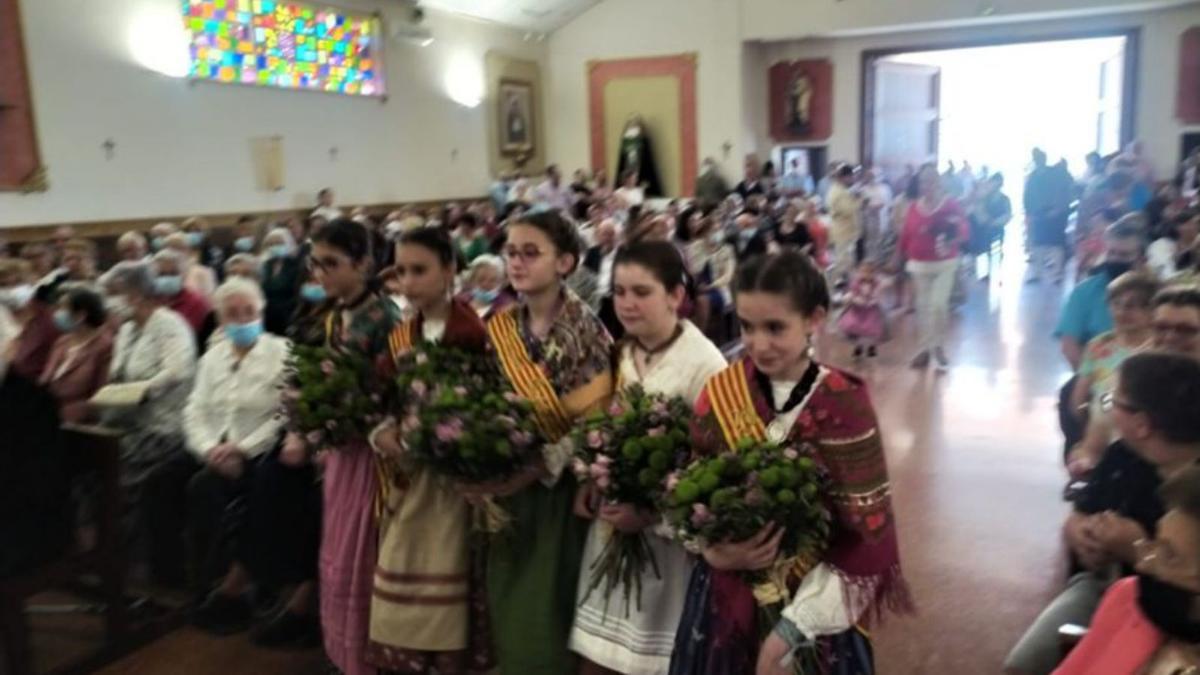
(541, 16)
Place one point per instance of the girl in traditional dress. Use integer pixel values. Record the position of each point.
(423, 612)
(556, 353)
(778, 393)
(669, 356)
(359, 320)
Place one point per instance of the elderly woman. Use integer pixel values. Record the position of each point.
(155, 348)
(282, 274)
(78, 364)
(170, 268)
(198, 279)
(159, 234)
(244, 265)
(484, 288)
(131, 247)
(232, 426)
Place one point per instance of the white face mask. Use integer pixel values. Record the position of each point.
(118, 306)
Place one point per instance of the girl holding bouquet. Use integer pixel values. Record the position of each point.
(555, 352)
(668, 356)
(778, 393)
(424, 610)
(358, 320)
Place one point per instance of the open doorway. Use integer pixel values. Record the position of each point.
(990, 104)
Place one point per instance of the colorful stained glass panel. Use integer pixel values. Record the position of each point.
(275, 43)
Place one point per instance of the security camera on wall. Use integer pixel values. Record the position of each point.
(411, 29)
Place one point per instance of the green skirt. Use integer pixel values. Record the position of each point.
(533, 574)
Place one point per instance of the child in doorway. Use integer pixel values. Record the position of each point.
(863, 321)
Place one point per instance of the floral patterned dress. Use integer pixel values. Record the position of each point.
(349, 533)
(533, 568)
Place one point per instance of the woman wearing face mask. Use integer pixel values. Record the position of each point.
(555, 352)
(486, 282)
(197, 278)
(78, 364)
(711, 262)
(357, 318)
(777, 392)
(1149, 624)
(233, 428)
(154, 347)
(307, 325)
(410, 635)
(281, 280)
(665, 355)
(245, 236)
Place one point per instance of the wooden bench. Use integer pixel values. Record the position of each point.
(91, 451)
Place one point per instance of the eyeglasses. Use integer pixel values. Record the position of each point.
(324, 264)
(524, 254)
(1109, 401)
(1183, 330)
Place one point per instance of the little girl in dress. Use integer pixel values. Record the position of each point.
(863, 321)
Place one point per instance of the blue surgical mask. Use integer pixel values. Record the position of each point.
(243, 334)
(280, 251)
(156, 243)
(195, 239)
(485, 297)
(244, 244)
(168, 285)
(313, 293)
(64, 321)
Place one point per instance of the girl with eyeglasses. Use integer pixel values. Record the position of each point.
(357, 319)
(556, 353)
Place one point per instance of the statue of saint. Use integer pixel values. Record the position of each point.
(800, 100)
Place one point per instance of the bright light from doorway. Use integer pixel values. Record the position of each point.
(997, 103)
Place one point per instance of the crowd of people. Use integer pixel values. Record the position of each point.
(579, 290)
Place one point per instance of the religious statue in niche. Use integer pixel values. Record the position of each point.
(637, 156)
(800, 110)
(801, 100)
(517, 132)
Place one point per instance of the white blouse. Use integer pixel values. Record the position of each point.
(238, 402)
(682, 370)
(161, 353)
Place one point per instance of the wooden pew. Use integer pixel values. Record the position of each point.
(93, 451)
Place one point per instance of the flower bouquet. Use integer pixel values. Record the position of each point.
(463, 420)
(327, 401)
(732, 496)
(627, 453)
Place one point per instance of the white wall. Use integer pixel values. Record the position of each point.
(1158, 69)
(183, 147)
(617, 29)
(787, 19)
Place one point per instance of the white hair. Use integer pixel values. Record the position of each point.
(283, 233)
(243, 258)
(132, 237)
(239, 286)
(488, 260)
(172, 256)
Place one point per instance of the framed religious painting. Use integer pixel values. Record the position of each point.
(516, 114)
(801, 100)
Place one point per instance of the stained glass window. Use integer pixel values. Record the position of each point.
(292, 45)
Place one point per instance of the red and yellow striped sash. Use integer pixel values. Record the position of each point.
(526, 377)
(402, 339)
(729, 394)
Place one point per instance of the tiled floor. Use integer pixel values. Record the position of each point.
(975, 464)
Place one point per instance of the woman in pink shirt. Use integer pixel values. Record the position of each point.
(1150, 624)
(934, 229)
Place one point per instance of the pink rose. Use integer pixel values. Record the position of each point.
(422, 357)
(672, 481)
(419, 387)
(656, 431)
(511, 397)
(327, 367)
(700, 515)
(602, 482)
(615, 409)
(791, 453)
(461, 391)
(314, 438)
(659, 407)
(580, 468)
(448, 432)
(594, 439)
(331, 425)
(410, 423)
(604, 460)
